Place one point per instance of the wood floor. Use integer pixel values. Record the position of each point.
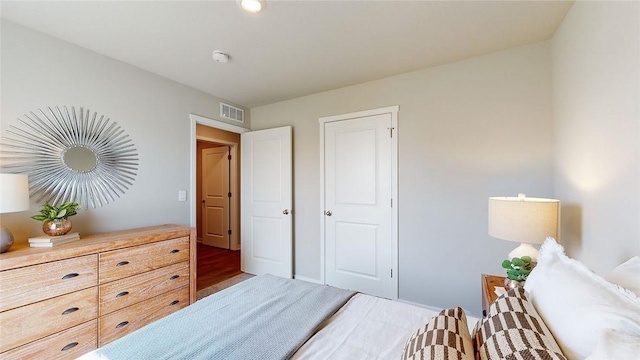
(216, 265)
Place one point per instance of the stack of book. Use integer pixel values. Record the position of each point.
(49, 241)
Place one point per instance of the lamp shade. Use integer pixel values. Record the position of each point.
(14, 193)
(522, 219)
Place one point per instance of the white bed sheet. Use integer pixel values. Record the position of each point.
(367, 327)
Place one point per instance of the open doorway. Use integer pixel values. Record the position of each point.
(215, 201)
(217, 215)
(214, 188)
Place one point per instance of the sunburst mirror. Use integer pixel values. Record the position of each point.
(71, 156)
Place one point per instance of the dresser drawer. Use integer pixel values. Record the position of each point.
(122, 322)
(128, 291)
(28, 323)
(39, 282)
(121, 263)
(67, 344)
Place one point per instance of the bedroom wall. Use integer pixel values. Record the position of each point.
(467, 130)
(39, 71)
(596, 99)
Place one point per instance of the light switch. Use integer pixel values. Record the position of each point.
(182, 195)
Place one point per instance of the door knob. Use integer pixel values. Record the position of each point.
(286, 212)
(328, 213)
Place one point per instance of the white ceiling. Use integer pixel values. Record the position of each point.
(292, 48)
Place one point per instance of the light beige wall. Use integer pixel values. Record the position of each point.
(39, 71)
(467, 131)
(596, 97)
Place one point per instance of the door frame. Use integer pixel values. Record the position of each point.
(393, 110)
(197, 119)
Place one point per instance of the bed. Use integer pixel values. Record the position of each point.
(289, 319)
(563, 312)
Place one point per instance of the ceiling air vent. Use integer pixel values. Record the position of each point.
(231, 112)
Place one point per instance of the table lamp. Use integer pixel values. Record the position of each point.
(524, 220)
(14, 197)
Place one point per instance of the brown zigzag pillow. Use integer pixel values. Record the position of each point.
(514, 330)
(446, 336)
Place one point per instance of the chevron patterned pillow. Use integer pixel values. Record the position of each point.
(446, 336)
(514, 330)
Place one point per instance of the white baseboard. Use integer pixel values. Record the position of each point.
(468, 313)
(304, 278)
(420, 305)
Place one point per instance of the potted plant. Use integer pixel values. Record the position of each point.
(56, 218)
(518, 270)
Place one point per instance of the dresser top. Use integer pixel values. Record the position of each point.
(22, 255)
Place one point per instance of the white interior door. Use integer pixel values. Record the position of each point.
(266, 220)
(360, 247)
(215, 197)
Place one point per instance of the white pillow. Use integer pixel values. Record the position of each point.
(616, 345)
(576, 304)
(627, 275)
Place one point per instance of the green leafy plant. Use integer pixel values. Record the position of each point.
(518, 268)
(50, 212)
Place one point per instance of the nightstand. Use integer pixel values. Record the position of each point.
(489, 282)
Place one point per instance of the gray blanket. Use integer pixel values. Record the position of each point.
(265, 317)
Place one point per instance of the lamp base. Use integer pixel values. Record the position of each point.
(6, 238)
(524, 250)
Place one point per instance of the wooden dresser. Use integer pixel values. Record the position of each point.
(64, 301)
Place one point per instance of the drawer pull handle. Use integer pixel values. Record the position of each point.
(70, 276)
(124, 323)
(174, 277)
(174, 302)
(122, 263)
(69, 346)
(124, 293)
(70, 310)
(175, 251)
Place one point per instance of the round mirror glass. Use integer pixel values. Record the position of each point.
(80, 159)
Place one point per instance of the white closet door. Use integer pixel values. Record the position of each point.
(359, 246)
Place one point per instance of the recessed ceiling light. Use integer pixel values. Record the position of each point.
(253, 6)
(220, 56)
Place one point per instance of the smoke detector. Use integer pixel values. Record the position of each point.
(220, 57)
